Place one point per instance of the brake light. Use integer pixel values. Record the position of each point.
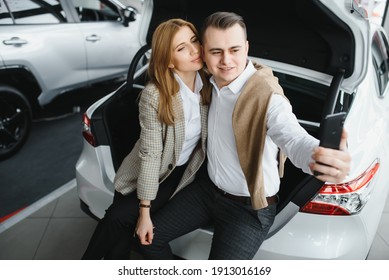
(86, 130)
(343, 199)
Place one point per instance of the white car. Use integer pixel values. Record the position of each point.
(50, 47)
(329, 58)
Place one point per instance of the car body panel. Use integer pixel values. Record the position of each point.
(99, 190)
(97, 161)
(303, 237)
(102, 36)
(121, 41)
(318, 237)
(51, 49)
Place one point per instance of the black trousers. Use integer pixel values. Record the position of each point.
(113, 237)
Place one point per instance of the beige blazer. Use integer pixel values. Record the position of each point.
(155, 154)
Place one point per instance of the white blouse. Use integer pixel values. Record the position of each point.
(191, 106)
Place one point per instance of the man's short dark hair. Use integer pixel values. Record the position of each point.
(223, 20)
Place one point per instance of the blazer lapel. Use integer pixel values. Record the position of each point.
(204, 124)
(179, 125)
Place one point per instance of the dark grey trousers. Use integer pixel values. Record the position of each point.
(238, 229)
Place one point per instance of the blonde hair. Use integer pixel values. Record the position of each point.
(159, 72)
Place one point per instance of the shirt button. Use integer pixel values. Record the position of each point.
(170, 166)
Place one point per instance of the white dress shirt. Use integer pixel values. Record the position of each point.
(191, 106)
(283, 130)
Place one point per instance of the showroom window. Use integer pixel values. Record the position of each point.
(31, 12)
(380, 53)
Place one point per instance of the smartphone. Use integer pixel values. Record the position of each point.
(331, 132)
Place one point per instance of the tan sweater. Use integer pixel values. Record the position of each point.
(249, 125)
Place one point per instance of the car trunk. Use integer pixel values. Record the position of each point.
(298, 32)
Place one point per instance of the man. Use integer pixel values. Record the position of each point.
(249, 121)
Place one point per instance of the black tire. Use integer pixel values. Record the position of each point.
(15, 120)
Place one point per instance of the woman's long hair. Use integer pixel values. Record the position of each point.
(161, 75)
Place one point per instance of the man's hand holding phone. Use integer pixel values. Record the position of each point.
(331, 159)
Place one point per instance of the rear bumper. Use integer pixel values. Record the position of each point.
(306, 236)
(309, 236)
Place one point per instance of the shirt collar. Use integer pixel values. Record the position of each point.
(184, 87)
(236, 85)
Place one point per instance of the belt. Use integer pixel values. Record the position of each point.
(245, 199)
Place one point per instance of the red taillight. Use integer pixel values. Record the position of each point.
(86, 130)
(324, 208)
(343, 199)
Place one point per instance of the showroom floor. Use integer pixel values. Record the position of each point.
(54, 228)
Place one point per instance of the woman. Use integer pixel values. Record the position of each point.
(171, 148)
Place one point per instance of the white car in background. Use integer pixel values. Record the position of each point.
(329, 58)
(51, 47)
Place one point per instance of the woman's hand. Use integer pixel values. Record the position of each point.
(144, 227)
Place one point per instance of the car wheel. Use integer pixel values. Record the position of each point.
(15, 120)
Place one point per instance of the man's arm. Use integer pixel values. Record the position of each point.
(301, 148)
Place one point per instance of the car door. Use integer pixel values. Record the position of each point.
(41, 37)
(110, 44)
